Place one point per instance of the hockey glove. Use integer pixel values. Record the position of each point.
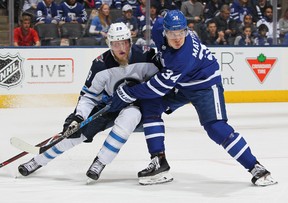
(72, 122)
(121, 99)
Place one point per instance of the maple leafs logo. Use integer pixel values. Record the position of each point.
(261, 58)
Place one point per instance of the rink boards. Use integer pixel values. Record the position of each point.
(54, 76)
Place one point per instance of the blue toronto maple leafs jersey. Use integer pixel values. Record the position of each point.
(76, 12)
(191, 67)
(47, 13)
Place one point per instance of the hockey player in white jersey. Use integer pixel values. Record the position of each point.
(123, 63)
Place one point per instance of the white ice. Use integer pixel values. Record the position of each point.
(202, 170)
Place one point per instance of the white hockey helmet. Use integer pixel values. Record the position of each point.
(118, 32)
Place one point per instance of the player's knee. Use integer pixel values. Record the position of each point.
(127, 120)
(218, 131)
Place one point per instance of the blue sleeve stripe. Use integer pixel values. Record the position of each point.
(117, 137)
(56, 150)
(110, 147)
(85, 89)
(48, 156)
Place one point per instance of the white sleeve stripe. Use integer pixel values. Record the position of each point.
(154, 135)
(161, 83)
(145, 125)
(154, 89)
(217, 73)
(217, 102)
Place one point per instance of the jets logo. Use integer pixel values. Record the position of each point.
(100, 58)
(11, 73)
(126, 81)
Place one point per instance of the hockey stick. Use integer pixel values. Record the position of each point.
(20, 144)
(18, 156)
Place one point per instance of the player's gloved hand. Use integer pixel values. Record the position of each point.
(72, 122)
(121, 98)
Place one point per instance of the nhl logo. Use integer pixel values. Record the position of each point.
(11, 73)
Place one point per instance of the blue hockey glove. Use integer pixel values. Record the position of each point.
(121, 99)
(72, 121)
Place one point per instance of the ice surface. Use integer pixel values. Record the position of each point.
(203, 171)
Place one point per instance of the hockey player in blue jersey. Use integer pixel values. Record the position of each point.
(124, 62)
(190, 74)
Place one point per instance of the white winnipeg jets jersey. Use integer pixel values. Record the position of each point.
(106, 75)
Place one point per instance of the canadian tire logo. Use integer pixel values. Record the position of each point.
(261, 66)
(11, 72)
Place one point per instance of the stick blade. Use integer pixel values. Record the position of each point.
(24, 146)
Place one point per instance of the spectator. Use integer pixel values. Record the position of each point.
(89, 4)
(140, 9)
(226, 24)
(283, 23)
(72, 12)
(153, 17)
(100, 24)
(212, 9)
(48, 12)
(259, 9)
(245, 39)
(164, 5)
(190, 25)
(212, 37)
(177, 3)
(143, 40)
(193, 10)
(133, 3)
(247, 21)
(268, 21)
(129, 20)
(30, 6)
(262, 39)
(24, 35)
(240, 8)
(111, 3)
(3, 4)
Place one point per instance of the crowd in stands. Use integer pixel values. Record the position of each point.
(215, 22)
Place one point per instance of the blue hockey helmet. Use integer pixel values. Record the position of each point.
(174, 20)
